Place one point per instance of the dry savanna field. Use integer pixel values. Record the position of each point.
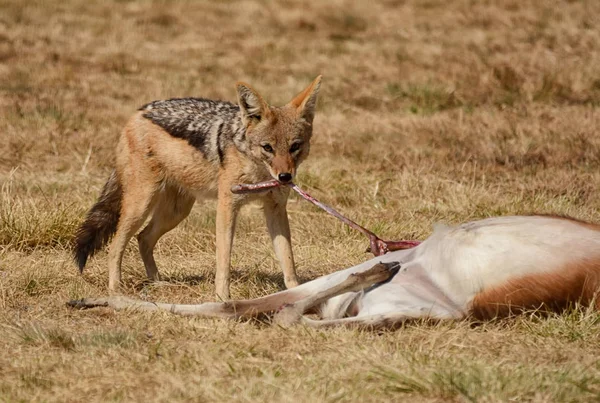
(429, 111)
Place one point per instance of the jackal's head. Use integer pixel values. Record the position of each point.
(278, 136)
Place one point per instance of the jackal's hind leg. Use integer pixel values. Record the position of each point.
(172, 207)
(355, 282)
(136, 205)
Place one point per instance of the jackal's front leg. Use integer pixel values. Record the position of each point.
(279, 230)
(227, 209)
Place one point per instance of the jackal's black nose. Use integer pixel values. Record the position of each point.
(285, 177)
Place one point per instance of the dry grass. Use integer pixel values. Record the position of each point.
(430, 111)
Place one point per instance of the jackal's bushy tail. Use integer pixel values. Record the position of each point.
(100, 223)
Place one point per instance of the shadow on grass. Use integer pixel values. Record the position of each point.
(243, 276)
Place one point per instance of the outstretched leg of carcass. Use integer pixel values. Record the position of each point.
(210, 309)
(311, 291)
(227, 310)
(243, 308)
(355, 282)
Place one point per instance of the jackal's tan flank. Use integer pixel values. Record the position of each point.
(175, 151)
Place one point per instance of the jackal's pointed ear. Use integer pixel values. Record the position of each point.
(252, 105)
(306, 101)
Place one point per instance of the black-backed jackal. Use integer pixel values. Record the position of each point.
(175, 151)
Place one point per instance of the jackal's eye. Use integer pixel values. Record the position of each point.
(267, 148)
(295, 147)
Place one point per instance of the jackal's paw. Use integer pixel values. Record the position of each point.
(287, 316)
(291, 283)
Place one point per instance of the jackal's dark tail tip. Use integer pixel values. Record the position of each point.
(80, 260)
(100, 223)
(94, 233)
(83, 245)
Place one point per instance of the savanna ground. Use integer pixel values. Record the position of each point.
(429, 111)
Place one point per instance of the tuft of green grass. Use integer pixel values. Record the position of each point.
(27, 223)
